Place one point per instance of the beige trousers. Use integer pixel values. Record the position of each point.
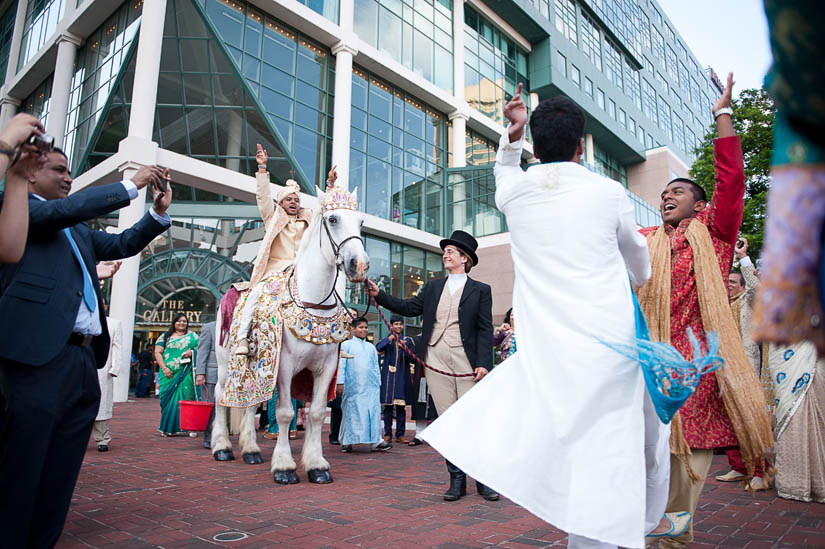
(445, 389)
(101, 432)
(684, 494)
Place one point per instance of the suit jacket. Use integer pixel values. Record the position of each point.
(207, 361)
(40, 295)
(475, 317)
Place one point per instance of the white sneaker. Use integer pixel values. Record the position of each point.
(730, 476)
(243, 347)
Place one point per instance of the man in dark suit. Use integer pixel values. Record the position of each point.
(53, 338)
(207, 373)
(456, 333)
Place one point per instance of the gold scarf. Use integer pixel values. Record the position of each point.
(736, 309)
(738, 384)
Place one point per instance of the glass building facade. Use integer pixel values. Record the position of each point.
(493, 66)
(6, 32)
(416, 33)
(398, 154)
(42, 17)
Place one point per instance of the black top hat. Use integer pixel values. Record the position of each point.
(464, 242)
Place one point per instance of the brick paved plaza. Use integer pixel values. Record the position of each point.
(149, 491)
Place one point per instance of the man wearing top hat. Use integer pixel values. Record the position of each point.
(456, 333)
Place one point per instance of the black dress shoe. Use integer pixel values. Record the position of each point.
(102, 447)
(334, 441)
(486, 492)
(346, 448)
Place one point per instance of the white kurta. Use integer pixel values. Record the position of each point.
(106, 375)
(558, 427)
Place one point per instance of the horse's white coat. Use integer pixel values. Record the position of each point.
(315, 271)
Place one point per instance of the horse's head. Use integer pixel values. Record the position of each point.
(341, 224)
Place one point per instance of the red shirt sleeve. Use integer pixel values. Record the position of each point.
(725, 210)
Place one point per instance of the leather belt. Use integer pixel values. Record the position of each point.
(81, 340)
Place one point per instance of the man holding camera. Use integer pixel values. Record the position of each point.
(54, 337)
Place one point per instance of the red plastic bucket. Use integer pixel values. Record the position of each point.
(194, 415)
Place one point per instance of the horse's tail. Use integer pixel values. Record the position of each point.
(227, 308)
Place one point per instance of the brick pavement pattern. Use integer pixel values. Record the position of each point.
(149, 491)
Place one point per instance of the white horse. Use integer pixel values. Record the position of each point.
(331, 244)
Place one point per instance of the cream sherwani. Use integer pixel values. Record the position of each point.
(559, 427)
(278, 248)
(106, 379)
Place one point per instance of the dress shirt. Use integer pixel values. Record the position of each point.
(88, 322)
(456, 282)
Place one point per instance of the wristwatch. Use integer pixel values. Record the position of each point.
(7, 149)
(720, 112)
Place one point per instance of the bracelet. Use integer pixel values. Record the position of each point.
(7, 149)
(723, 110)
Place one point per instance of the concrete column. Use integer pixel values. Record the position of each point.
(16, 39)
(342, 108)
(67, 44)
(9, 107)
(142, 117)
(141, 123)
(233, 146)
(458, 49)
(346, 13)
(589, 155)
(458, 147)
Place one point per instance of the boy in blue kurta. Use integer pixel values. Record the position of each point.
(396, 379)
(360, 381)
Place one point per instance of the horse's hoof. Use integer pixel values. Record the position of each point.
(319, 476)
(253, 459)
(286, 477)
(224, 455)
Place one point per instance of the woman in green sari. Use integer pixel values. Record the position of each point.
(175, 355)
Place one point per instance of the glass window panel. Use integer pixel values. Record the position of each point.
(228, 22)
(378, 176)
(278, 80)
(389, 40)
(423, 56)
(308, 149)
(200, 131)
(311, 66)
(279, 50)
(196, 89)
(366, 24)
(192, 54)
(276, 103)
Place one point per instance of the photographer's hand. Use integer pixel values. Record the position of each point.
(18, 130)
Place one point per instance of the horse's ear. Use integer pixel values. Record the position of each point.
(354, 194)
(319, 193)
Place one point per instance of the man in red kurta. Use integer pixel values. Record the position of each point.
(705, 422)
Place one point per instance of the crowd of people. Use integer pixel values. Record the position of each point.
(565, 426)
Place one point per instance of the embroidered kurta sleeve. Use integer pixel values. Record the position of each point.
(632, 245)
(727, 203)
(749, 274)
(263, 196)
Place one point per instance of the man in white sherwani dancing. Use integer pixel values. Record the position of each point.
(559, 428)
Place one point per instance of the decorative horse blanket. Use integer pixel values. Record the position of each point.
(251, 379)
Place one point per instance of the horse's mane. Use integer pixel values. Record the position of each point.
(314, 225)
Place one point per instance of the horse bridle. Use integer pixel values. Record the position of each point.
(336, 251)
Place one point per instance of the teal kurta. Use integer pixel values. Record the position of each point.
(361, 403)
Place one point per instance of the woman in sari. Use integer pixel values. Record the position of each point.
(799, 386)
(175, 355)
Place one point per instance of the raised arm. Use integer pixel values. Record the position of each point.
(55, 215)
(508, 156)
(632, 245)
(263, 193)
(14, 215)
(727, 203)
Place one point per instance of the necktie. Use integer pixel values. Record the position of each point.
(89, 297)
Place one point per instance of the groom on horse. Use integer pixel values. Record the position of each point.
(285, 223)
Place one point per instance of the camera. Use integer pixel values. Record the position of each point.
(44, 142)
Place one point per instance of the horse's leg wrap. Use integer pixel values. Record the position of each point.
(249, 446)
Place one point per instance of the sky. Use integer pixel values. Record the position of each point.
(727, 35)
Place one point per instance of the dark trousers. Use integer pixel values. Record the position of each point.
(400, 420)
(335, 418)
(46, 417)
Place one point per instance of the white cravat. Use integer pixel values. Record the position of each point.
(456, 282)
